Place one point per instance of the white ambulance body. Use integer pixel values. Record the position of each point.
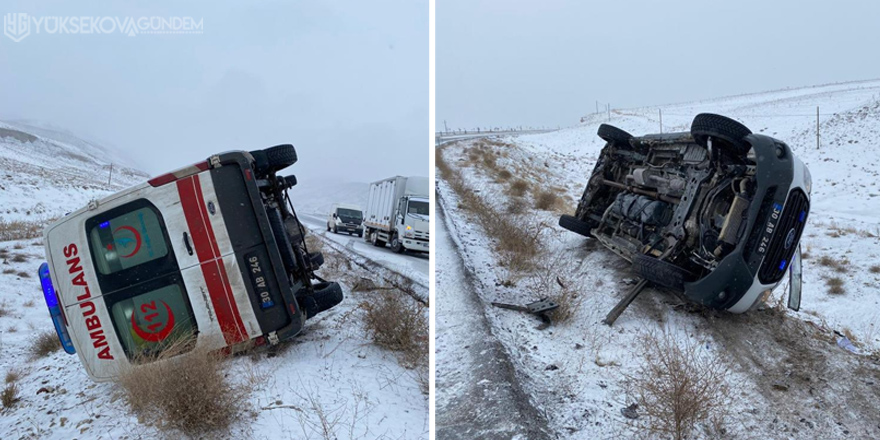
(155, 263)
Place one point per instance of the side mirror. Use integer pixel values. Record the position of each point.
(795, 281)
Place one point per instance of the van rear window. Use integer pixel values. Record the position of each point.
(131, 239)
(149, 322)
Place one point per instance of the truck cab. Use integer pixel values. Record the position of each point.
(346, 218)
(398, 214)
(211, 253)
(413, 219)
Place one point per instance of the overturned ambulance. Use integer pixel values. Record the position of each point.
(211, 253)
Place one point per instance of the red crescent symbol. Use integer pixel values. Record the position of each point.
(137, 239)
(161, 334)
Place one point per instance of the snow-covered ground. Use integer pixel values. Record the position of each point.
(790, 378)
(363, 390)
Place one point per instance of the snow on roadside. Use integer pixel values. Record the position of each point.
(575, 370)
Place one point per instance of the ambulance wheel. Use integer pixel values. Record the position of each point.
(323, 296)
(273, 159)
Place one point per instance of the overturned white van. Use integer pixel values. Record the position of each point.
(212, 252)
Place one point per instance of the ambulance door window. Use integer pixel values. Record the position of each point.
(129, 244)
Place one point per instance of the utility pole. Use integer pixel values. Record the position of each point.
(817, 127)
(661, 119)
(111, 174)
(445, 127)
(608, 107)
(597, 107)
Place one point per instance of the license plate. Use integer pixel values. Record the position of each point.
(769, 228)
(258, 280)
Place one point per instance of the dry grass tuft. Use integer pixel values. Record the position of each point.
(23, 274)
(44, 344)
(8, 271)
(835, 286)
(19, 258)
(569, 303)
(841, 266)
(504, 175)
(874, 269)
(519, 188)
(21, 229)
(395, 322)
(678, 386)
(184, 391)
(12, 376)
(547, 200)
(9, 395)
(4, 310)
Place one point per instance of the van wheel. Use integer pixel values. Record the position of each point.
(610, 133)
(273, 159)
(396, 245)
(323, 296)
(727, 134)
(574, 225)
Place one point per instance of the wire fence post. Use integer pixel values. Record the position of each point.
(660, 110)
(817, 127)
(110, 178)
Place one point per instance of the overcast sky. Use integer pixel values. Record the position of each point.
(517, 62)
(345, 81)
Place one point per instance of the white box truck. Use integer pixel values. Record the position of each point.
(397, 214)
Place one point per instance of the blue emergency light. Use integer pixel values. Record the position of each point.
(55, 309)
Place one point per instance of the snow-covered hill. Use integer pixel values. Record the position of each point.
(788, 377)
(45, 173)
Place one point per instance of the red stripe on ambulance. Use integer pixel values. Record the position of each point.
(205, 242)
(93, 321)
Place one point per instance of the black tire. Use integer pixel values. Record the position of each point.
(361, 234)
(374, 238)
(727, 135)
(335, 230)
(571, 223)
(273, 159)
(328, 227)
(661, 272)
(323, 296)
(317, 260)
(396, 245)
(610, 133)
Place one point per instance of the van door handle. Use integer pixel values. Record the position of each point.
(189, 248)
